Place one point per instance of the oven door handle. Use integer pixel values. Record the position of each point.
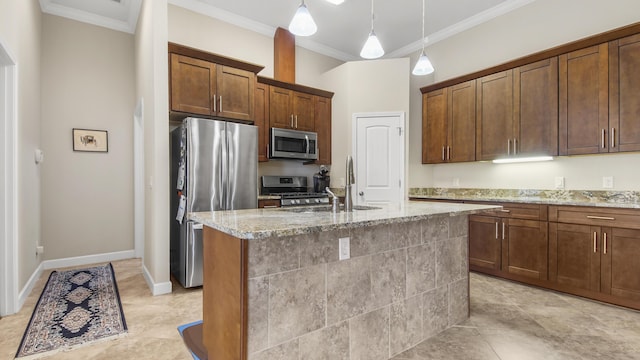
(306, 137)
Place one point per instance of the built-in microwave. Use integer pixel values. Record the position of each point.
(293, 144)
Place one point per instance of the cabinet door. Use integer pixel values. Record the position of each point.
(303, 111)
(462, 122)
(235, 93)
(574, 255)
(583, 101)
(484, 242)
(193, 85)
(624, 102)
(620, 265)
(323, 128)
(261, 120)
(280, 113)
(494, 116)
(434, 126)
(524, 248)
(536, 106)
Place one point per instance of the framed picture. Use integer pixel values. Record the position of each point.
(90, 140)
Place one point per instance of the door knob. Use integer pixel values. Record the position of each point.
(361, 193)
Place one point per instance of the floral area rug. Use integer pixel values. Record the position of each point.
(76, 307)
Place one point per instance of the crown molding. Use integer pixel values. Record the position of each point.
(128, 26)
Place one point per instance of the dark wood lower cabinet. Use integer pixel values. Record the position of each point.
(585, 251)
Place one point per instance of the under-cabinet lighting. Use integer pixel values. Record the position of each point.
(523, 159)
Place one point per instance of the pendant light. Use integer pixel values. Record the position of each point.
(302, 23)
(423, 66)
(372, 48)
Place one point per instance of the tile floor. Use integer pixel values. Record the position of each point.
(508, 321)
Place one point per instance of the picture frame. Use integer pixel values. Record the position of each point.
(90, 140)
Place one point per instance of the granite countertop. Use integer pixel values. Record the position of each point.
(609, 199)
(262, 223)
(269, 197)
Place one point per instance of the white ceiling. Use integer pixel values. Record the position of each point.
(342, 29)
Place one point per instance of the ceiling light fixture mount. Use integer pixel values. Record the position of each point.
(302, 23)
(335, 2)
(372, 48)
(423, 66)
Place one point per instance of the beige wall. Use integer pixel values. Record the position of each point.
(151, 64)
(20, 32)
(87, 82)
(538, 26)
(363, 86)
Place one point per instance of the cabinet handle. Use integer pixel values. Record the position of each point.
(604, 138)
(220, 99)
(508, 146)
(515, 146)
(296, 121)
(496, 230)
(613, 137)
(270, 206)
(604, 249)
(600, 217)
(595, 242)
(503, 230)
(214, 103)
(291, 120)
(448, 152)
(443, 153)
(505, 211)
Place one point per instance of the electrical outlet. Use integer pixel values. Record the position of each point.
(456, 181)
(39, 249)
(344, 252)
(559, 182)
(607, 182)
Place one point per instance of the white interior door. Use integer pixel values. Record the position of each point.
(379, 158)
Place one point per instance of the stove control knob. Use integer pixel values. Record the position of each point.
(317, 201)
(307, 201)
(297, 201)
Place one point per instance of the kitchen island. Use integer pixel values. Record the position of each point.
(275, 286)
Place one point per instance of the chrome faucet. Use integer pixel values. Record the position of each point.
(350, 180)
(336, 202)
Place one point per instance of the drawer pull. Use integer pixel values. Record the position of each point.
(604, 249)
(270, 206)
(505, 211)
(595, 242)
(600, 217)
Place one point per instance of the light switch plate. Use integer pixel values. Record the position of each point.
(559, 182)
(607, 182)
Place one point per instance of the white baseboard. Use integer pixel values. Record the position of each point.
(67, 262)
(156, 288)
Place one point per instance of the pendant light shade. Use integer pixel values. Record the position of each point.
(372, 48)
(302, 23)
(423, 66)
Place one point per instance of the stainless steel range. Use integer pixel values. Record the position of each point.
(293, 191)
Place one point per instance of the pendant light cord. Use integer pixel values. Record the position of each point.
(422, 40)
(371, 15)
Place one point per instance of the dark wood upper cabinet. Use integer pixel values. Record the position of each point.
(494, 116)
(323, 128)
(290, 109)
(261, 120)
(536, 107)
(448, 127)
(202, 83)
(193, 83)
(624, 98)
(584, 101)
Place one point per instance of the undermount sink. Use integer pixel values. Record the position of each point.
(322, 208)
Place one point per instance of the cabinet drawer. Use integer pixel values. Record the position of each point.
(516, 210)
(620, 218)
(268, 203)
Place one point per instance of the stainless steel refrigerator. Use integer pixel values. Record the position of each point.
(214, 166)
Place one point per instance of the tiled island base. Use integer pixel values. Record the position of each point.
(404, 283)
